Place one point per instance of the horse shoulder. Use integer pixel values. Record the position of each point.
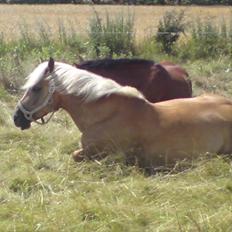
(120, 118)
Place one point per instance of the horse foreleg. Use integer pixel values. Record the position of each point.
(87, 154)
(92, 148)
(78, 155)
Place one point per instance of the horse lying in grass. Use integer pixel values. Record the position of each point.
(116, 118)
(157, 82)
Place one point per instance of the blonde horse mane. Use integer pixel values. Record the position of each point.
(70, 80)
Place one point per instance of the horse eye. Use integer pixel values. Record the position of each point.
(36, 89)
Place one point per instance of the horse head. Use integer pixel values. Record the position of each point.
(39, 98)
(53, 85)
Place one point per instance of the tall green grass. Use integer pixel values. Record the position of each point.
(170, 28)
(112, 37)
(208, 40)
(202, 39)
(42, 189)
(109, 36)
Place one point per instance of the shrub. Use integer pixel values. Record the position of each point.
(169, 29)
(113, 35)
(208, 39)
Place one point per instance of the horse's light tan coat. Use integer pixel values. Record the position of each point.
(158, 134)
(162, 133)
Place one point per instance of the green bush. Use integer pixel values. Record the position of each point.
(207, 2)
(150, 2)
(208, 39)
(141, 2)
(34, 47)
(112, 35)
(169, 29)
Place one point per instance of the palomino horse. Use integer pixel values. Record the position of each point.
(112, 117)
(157, 82)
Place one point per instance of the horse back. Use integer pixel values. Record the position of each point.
(203, 108)
(132, 72)
(157, 82)
(189, 127)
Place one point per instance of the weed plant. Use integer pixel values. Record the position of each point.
(109, 36)
(169, 30)
(207, 40)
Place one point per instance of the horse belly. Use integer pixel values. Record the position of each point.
(170, 146)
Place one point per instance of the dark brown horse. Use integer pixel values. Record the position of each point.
(157, 82)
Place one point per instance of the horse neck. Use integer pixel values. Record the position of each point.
(85, 114)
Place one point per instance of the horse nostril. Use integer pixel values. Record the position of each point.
(20, 120)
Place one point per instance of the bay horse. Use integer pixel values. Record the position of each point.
(158, 82)
(112, 117)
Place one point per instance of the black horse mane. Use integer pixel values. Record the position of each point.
(112, 63)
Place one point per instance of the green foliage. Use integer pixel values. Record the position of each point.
(36, 1)
(44, 34)
(169, 29)
(208, 39)
(142, 2)
(23, 186)
(207, 2)
(150, 2)
(4, 95)
(42, 189)
(34, 47)
(111, 36)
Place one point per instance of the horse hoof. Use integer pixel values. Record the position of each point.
(78, 155)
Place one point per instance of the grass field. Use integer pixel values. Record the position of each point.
(77, 16)
(42, 189)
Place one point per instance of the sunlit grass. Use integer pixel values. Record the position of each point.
(42, 189)
(146, 17)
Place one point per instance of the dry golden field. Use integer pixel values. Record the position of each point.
(77, 16)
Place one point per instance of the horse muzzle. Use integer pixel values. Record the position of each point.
(20, 120)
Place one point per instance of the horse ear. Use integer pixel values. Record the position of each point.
(51, 65)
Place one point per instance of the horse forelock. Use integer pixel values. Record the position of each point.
(35, 76)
